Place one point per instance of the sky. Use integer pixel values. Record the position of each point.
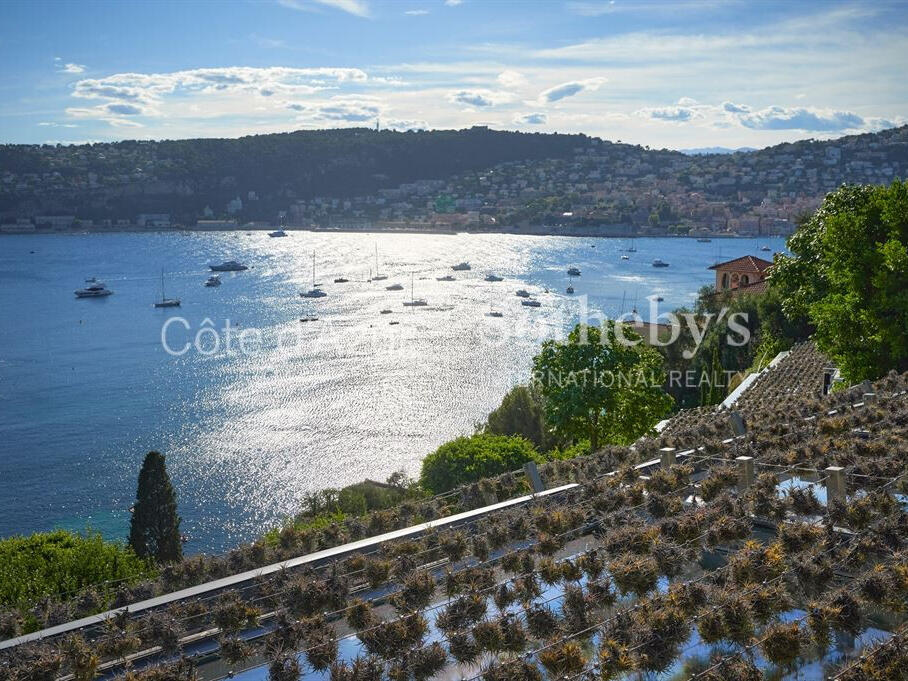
(662, 73)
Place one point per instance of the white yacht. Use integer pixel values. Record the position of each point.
(277, 233)
(95, 289)
(625, 257)
(493, 277)
(229, 266)
(522, 293)
(461, 267)
(213, 280)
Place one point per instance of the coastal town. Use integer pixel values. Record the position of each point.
(598, 188)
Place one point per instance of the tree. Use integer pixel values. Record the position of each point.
(849, 276)
(522, 412)
(599, 387)
(468, 459)
(712, 388)
(155, 527)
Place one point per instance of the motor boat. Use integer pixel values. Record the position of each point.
(95, 289)
(229, 266)
(277, 233)
(309, 318)
(385, 312)
(625, 257)
(493, 277)
(495, 313)
(461, 267)
(341, 280)
(521, 293)
(659, 299)
(394, 287)
(531, 303)
(570, 289)
(659, 263)
(573, 272)
(704, 241)
(313, 293)
(447, 277)
(766, 248)
(213, 280)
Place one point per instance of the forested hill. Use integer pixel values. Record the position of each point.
(536, 178)
(181, 176)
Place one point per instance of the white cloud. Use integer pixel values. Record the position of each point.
(677, 114)
(73, 68)
(356, 7)
(148, 88)
(801, 118)
(453, 3)
(52, 124)
(511, 79)
(416, 12)
(345, 109)
(571, 88)
(480, 98)
(405, 125)
(535, 118)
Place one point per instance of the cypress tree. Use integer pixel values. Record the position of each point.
(155, 527)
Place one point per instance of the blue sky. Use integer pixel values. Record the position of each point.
(662, 73)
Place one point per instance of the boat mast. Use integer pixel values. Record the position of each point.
(376, 259)
(163, 297)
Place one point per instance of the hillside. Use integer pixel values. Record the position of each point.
(466, 179)
(183, 176)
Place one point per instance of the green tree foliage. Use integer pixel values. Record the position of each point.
(155, 527)
(849, 275)
(522, 412)
(60, 561)
(769, 331)
(467, 459)
(600, 388)
(712, 391)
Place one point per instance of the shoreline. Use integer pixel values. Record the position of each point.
(575, 232)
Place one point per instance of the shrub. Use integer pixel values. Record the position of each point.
(467, 459)
(55, 562)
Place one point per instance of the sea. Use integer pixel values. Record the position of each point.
(254, 408)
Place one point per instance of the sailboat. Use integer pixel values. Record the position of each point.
(315, 291)
(378, 277)
(414, 302)
(632, 248)
(165, 301)
(493, 312)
